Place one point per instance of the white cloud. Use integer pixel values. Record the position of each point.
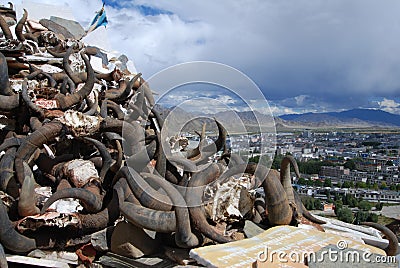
(337, 52)
(300, 99)
(390, 106)
(226, 99)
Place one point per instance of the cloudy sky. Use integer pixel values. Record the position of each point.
(304, 55)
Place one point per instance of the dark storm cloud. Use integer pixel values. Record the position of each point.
(338, 53)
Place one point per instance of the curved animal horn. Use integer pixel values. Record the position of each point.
(8, 183)
(159, 221)
(5, 28)
(27, 200)
(67, 67)
(10, 238)
(146, 194)
(293, 197)
(42, 135)
(115, 108)
(10, 142)
(213, 148)
(193, 199)
(124, 94)
(93, 105)
(3, 260)
(20, 25)
(301, 210)
(285, 176)
(28, 101)
(98, 221)
(193, 154)
(105, 155)
(5, 88)
(66, 102)
(393, 247)
(183, 235)
(279, 210)
(90, 201)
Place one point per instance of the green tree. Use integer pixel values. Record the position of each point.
(379, 206)
(361, 216)
(302, 181)
(347, 184)
(375, 186)
(364, 205)
(350, 200)
(398, 187)
(361, 184)
(338, 206)
(328, 183)
(383, 185)
(276, 164)
(318, 183)
(372, 217)
(308, 203)
(350, 164)
(318, 204)
(254, 159)
(345, 215)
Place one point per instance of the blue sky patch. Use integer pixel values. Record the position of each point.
(143, 9)
(151, 11)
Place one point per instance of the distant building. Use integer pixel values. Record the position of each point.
(335, 172)
(329, 207)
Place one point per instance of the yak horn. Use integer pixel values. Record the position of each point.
(27, 198)
(393, 247)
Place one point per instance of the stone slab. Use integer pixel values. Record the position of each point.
(288, 241)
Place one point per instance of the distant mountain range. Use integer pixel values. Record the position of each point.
(234, 121)
(356, 117)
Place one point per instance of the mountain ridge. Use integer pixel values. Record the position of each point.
(370, 116)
